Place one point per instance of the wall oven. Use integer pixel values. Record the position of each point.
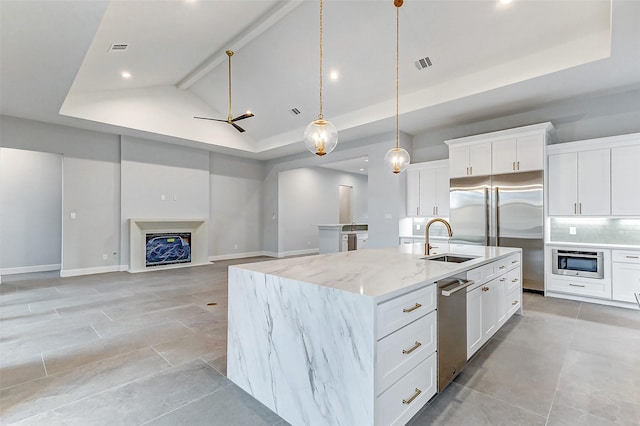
(588, 264)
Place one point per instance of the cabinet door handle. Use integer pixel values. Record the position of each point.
(471, 170)
(576, 285)
(517, 165)
(407, 310)
(580, 208)
(514, 303)
(513, 165)
(436, 210)
(467, 171)
(575, 208)
(485, 288)
(411, 349)
(414, 396)
(417, 211)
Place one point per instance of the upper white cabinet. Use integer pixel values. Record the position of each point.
(625, 180)
(470, 160)
(520, 154)
(579, 183)
(506, 151)
(428, 189)
(598, 177)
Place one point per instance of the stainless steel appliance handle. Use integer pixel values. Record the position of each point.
(458, 286)
(488, 218)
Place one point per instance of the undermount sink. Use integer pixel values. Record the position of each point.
(449, 258)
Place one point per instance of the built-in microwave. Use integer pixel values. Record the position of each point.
(588, 264)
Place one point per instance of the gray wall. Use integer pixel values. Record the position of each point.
(152, 171)
(30, 210)
(235, 227)
(91, 187)
(587, 118)
(309, 197)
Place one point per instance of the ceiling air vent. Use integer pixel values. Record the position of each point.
(295, 111)
(118, 47)
(423, 63)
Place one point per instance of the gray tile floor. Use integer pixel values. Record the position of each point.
(146, 349)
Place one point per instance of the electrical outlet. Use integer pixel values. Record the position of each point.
(163, 197)
(235, 246)
(572, 230)
(105, 256)
(417, 227)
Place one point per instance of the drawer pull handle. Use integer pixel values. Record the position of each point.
(503, 279)
(514, 261)
(405, 310)
(515, 280)
(408, 351)
(576, 285)
(632, 257)
(501, 267)
(414, 396)
(485, 288)
(514, 303)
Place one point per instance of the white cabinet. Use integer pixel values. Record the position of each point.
(470, 160)
(491, 303)
(625, 180)
(428, 189)
(519, 154)
(626, 275)
(506, 151)
(580, 183)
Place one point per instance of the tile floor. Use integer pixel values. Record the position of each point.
(146, 349)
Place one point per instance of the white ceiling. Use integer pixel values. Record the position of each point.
(487, 59)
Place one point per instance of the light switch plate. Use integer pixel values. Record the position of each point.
(572, 230)
(72, 215)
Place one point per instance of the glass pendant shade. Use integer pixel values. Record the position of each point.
(320, 137)
(397, 159)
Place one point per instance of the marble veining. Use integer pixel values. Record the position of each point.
(305, 351)
(379, 273)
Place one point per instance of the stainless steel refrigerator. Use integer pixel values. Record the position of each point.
(502, 210)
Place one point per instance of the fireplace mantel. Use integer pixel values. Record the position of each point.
(138, 228)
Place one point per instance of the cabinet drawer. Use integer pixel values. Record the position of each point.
(396, 313)
(408, 395)
(581, 286)
(504, 264)
(625, 256)
(400, 352)
(513, 280)
(514, 300)
(481, 275)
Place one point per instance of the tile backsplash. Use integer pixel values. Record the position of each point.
(595, 230)
(437, 229)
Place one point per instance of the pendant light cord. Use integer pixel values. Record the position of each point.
(397, 67)
(229, 54)
(320, 115)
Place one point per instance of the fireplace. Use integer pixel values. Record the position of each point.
(167, 243)
(167, 248)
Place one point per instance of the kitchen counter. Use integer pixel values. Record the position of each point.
(307, 335)
(378, 273)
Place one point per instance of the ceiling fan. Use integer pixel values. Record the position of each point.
(229, 119)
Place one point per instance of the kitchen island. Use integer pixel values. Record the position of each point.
(323, 339)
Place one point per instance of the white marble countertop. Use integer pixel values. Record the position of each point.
(378, 273)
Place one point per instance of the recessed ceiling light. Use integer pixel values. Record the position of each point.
(505, 1)
(362, 170)
(334, 75)
(366, 160)
(125, 74)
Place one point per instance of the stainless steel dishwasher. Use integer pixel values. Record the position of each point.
(452, 329)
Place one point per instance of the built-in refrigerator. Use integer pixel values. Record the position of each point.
(502, 210)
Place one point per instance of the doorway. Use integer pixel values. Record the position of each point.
(345, 201)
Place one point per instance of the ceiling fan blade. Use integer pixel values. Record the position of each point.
(212, 119)
(243, 116)
(238, 128)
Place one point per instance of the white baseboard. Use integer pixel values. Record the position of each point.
(238, 255)
(298, 252)
(593, 300)
(29, 269)
(89, 271)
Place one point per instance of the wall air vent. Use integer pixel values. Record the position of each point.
(295, 111)
(423, 63)
(118, 47)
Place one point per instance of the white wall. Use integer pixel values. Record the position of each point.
(161, 181)
(30, 211)
(308, 197)
(91, 188)
(235, 219)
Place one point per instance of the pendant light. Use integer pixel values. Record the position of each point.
(320, 136)
(397, 159)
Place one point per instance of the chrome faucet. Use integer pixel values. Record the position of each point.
(427, 246)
